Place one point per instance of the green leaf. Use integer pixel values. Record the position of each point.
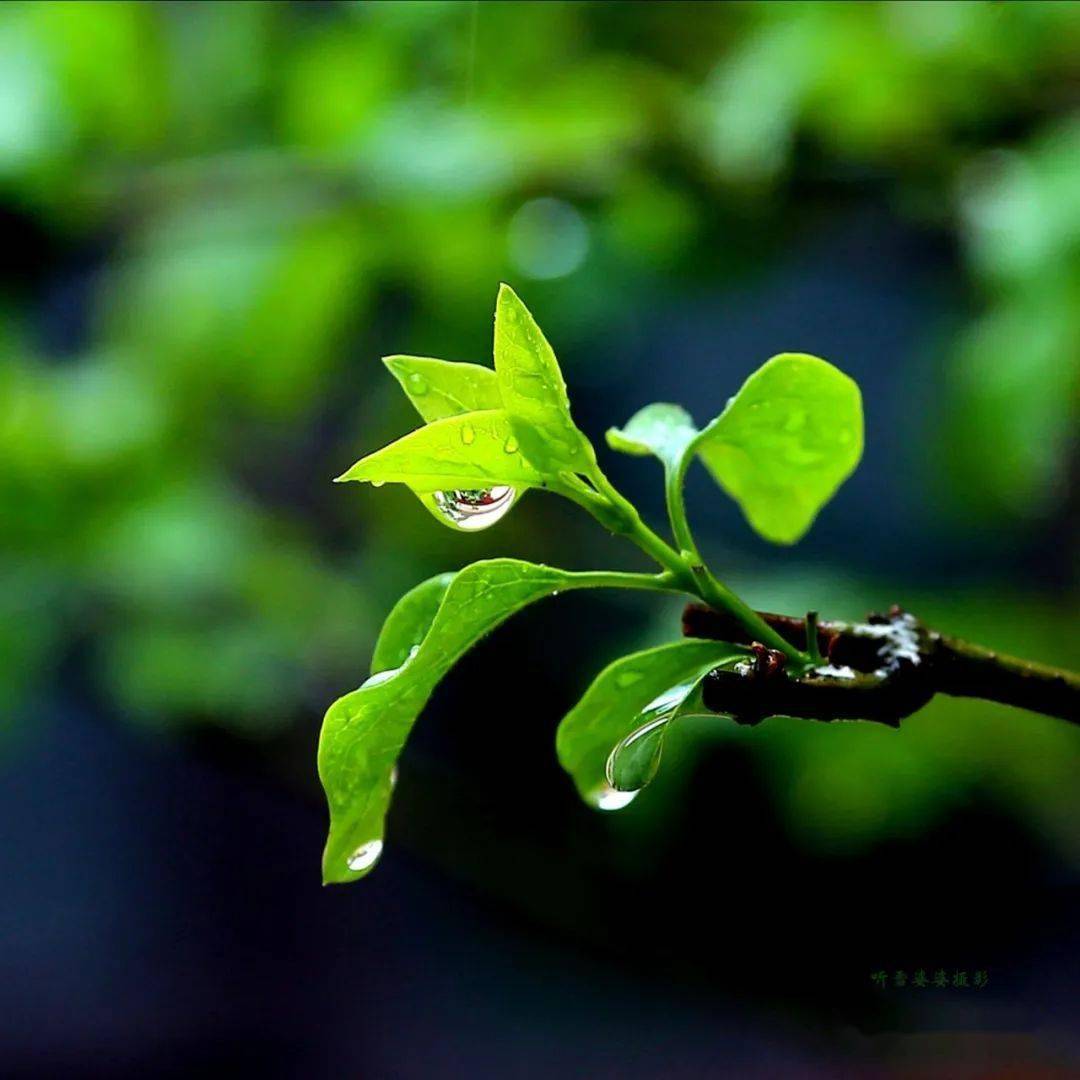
(440, 388)
(786, 442)
(661, 429)
(408, 623)
(533, 390)
(364, 731)
(618, 703)
(475, 450)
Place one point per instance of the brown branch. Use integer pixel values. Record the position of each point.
(882, 670)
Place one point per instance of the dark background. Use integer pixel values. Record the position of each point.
(216, 218)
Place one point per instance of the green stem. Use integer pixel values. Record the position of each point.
(688, 575)
(617, 579)
(674, 478)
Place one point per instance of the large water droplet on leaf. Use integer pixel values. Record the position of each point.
(365, 856)
(418, 384)
(633, 762)
(468, 436)
(380, 677)
(607, 798)
(477, 509)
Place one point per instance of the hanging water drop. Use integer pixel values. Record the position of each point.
(634, 761)
(477, 509)
(377, 483)
(468, 436)
(607, 798)
(365, 856)
(380, 677)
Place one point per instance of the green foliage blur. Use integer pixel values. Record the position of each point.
(218, 215)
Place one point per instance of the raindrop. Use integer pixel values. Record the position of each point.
(380, 677)
(511, 446)
(417, 383)
(365, 856)
(633, 762)
(476, 509)
(627, 678)
(468, 435)
(377, 483)
(607, 798)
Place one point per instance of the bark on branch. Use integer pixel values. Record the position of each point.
(883, 670)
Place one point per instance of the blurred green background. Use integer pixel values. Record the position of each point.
(217, 217)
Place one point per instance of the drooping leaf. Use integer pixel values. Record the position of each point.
(615, 705)
(364, 731)
(786, 442)
(442, 388)
(471, 451)
(408, 623)
(533, 389)
(661, 429)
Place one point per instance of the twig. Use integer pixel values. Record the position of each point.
(882, 670)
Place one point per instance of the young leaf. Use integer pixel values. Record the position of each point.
(408, 623)
(474, 450)
(613, 705)
(661, 429)
(533, 389)
(786, 442)
(441, 388)
(364, 731)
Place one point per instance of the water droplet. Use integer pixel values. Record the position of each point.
(633, 762)
(366, 855)
(468, 435)
(377, 483)
(627, 678)
(381, 677)
(668, 700)
(475, 510)
(511, 446)
(417, 383)
(607, 798)
(393, 778)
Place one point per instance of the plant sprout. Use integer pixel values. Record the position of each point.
(780, 448)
